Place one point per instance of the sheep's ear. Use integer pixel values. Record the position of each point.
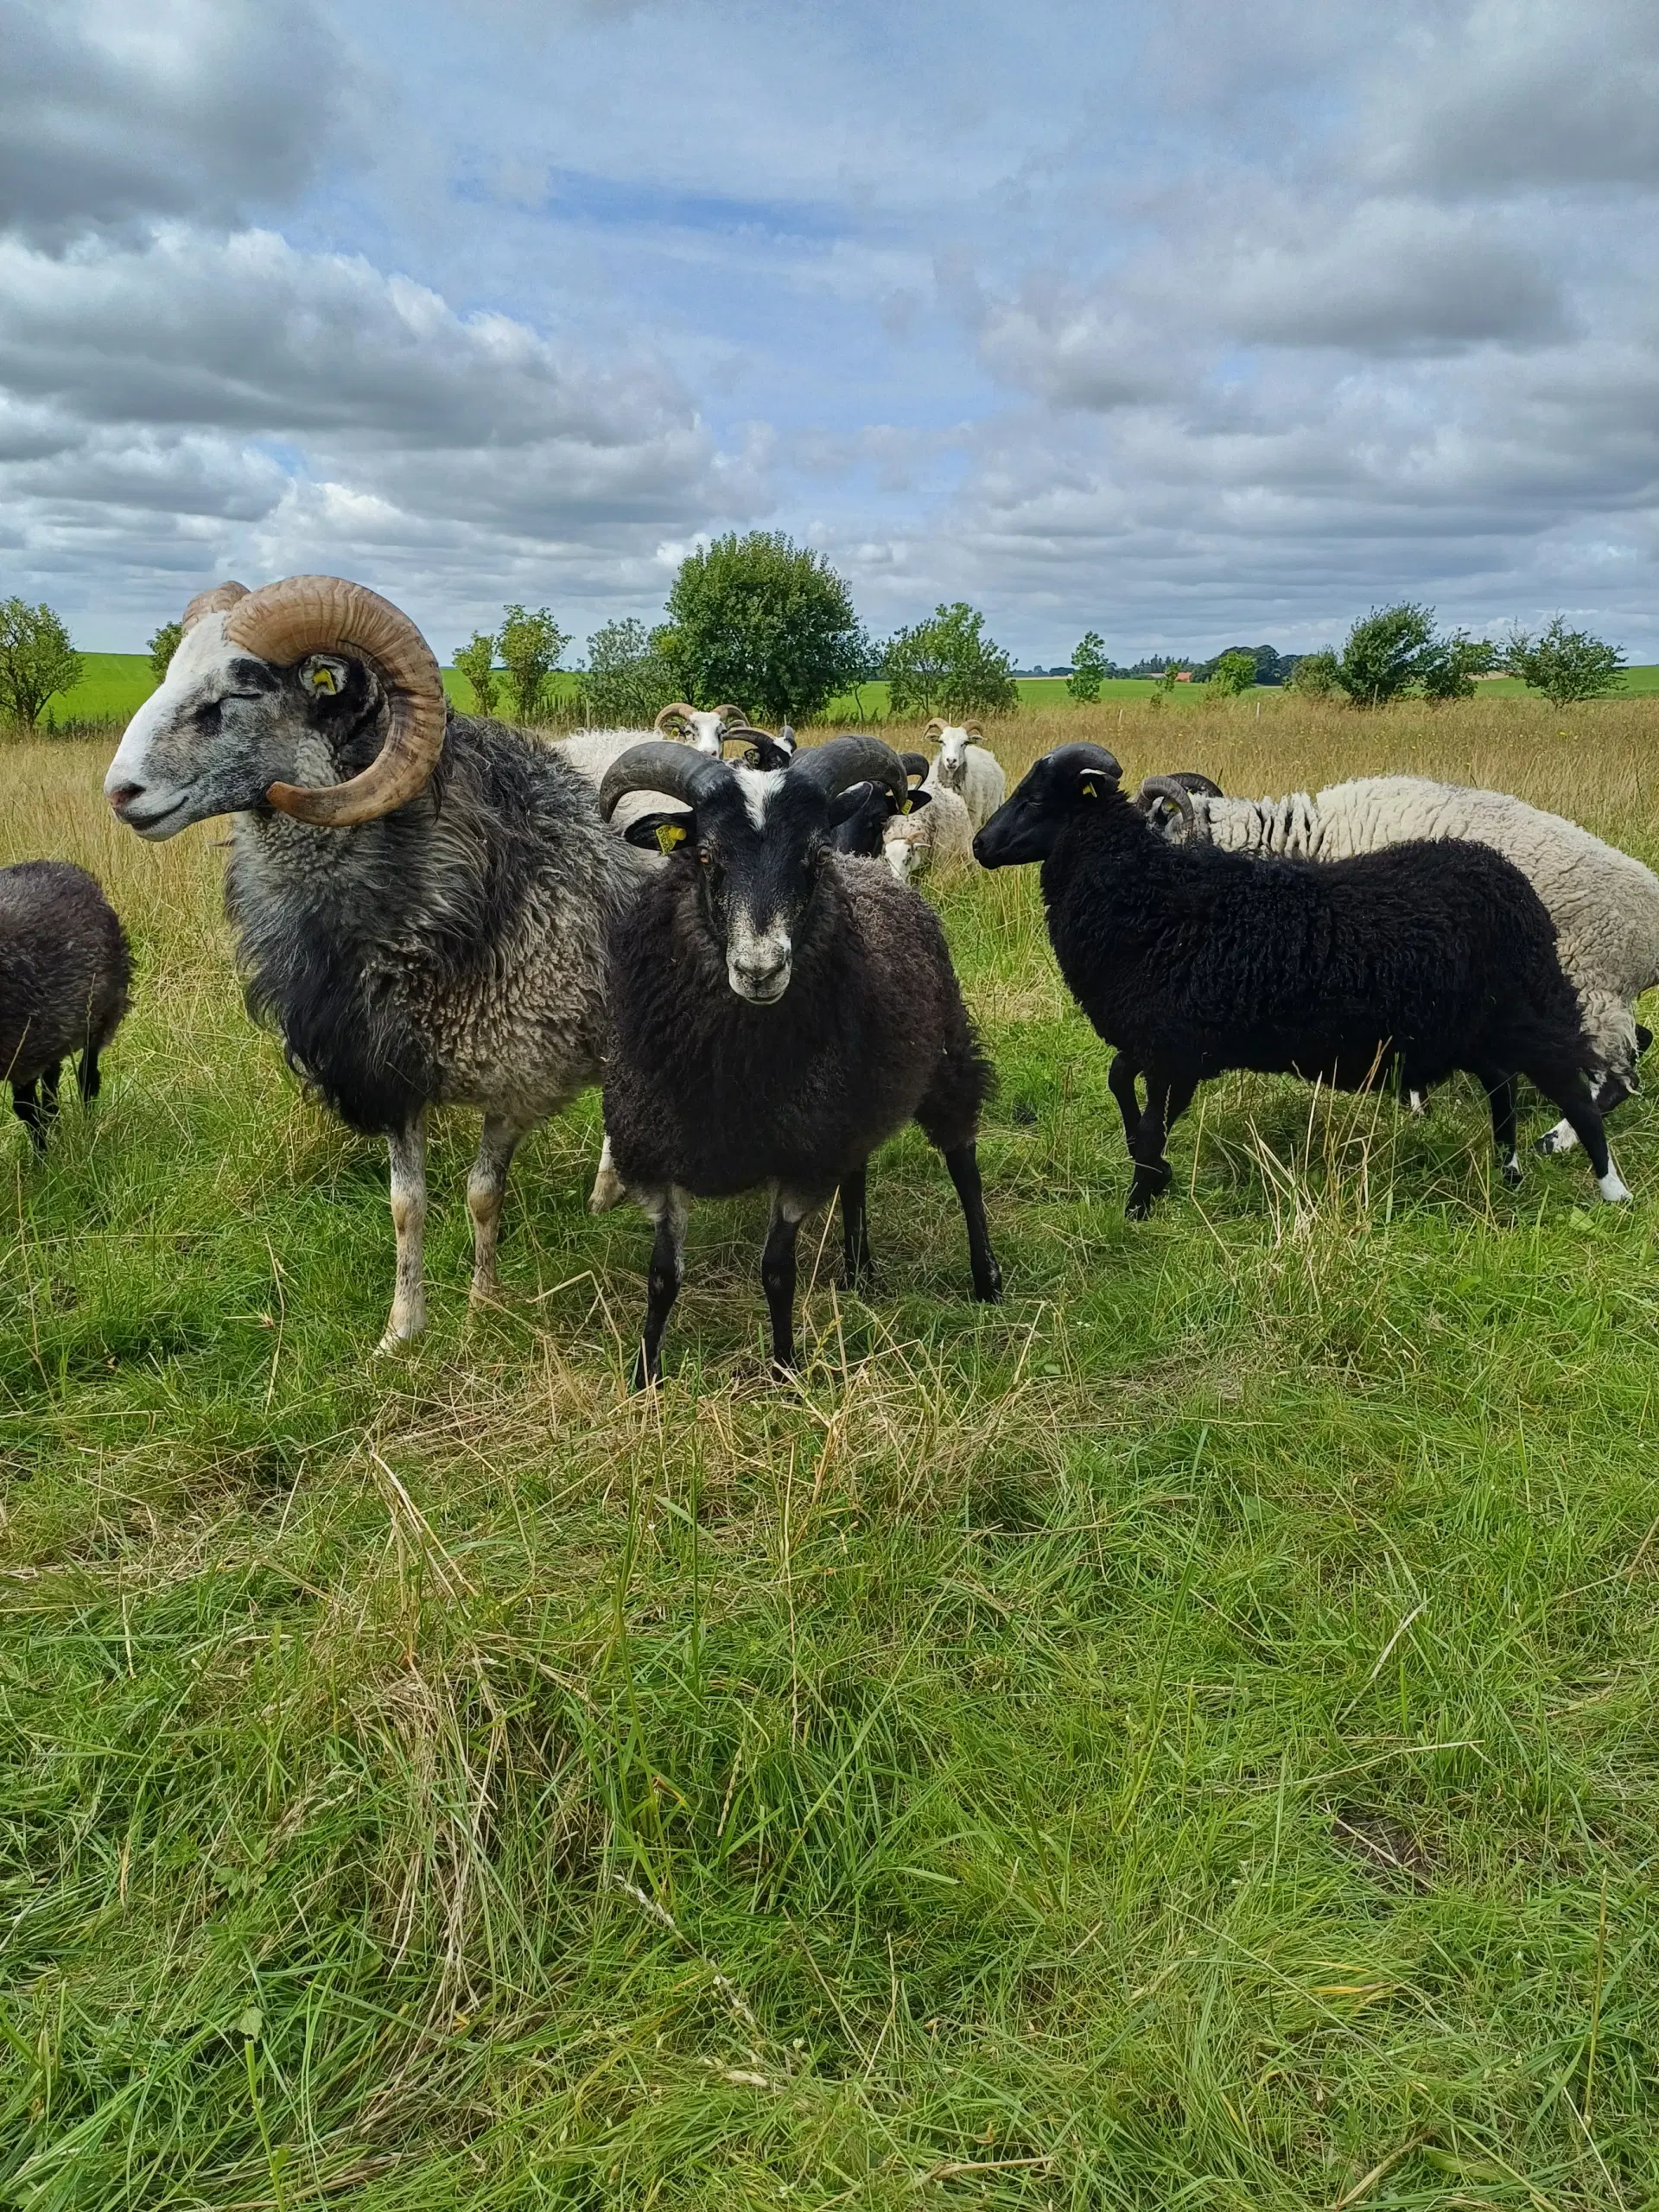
(845, 805)
(1089, 786)
(918, 801)
(660, 833)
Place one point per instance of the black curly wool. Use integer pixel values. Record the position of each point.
(65, 970)
(705, 1091)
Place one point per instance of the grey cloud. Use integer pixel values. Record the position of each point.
(112, 114)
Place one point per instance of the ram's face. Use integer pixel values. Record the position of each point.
(761, 845)
(953, 758)
(224, 726)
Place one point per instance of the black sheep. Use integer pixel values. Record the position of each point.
(1416, 960)
(779, 1011)
(65, 969)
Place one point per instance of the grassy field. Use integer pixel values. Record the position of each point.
(114, 684)
(1186, 1737)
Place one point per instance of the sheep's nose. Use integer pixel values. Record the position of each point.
(122, 795)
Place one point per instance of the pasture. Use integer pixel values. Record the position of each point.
(1185, 1736)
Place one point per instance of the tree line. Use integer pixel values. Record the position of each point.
(770, 624)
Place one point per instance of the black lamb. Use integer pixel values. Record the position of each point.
(1414, 962)
(64, 970)
(778, 1011)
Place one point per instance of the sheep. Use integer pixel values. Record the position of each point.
(65, 972)
(936, 832)
(972, 772)
(592, 751)
(421, 899)
(861, 820)
(778, 1012)
(1190, 960)
(1605, 904)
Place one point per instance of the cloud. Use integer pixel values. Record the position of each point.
(111, 114)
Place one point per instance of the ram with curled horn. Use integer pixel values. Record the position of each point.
(778, 1010)
(421, 898)
(971, 771)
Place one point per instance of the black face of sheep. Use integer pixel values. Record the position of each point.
(757, 839)
(1028, 823)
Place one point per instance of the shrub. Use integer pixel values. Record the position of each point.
(947, 666)
(36, 660)
(1565, 664)
(626, 680)
(1449, 667)
(764, 621)
(475, 660)
(1088, 665)
(1385, 654)
(1233, 673)
(1314, 676)
(162, 646)
(530, 644)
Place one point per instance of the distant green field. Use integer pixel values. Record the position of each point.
(116, 684)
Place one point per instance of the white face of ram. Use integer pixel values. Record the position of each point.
(953, 758)
(704, 735)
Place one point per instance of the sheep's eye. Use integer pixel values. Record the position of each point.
(207, 715)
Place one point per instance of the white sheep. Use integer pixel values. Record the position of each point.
(973, 771)
(1605, 905)
(938, 834)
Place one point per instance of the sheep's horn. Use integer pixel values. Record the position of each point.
(658, 764)
(1170, 787)
(830, 768)
(218, 601)
(678, 712)
(936, 726)
(283, 623)
(975, 729)
(729, 713)
(742, 729)
(916, 764)
(1200, 786)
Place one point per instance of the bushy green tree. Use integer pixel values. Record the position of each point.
(475, 660)
(764, 621)
(1565, 664)
(162, 646)
(1449, 667)
(1314, 676)
(530, 646)
(36, 661)
(1090, 667)
(626, 680)
(1385, 653)
(1233, 673)
(947, 666)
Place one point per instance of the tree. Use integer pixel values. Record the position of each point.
(1235, 672)
(530, 644)
(1313, 676)
(1088, 665)
(36, 661)
(626, 680)
(1385, 653)
(948, 665)
(162, 646)
(763, 621)
(1449, 667)
(1565, 664)
(475, 660)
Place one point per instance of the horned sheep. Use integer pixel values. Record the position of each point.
(422, 899)
(972, 772)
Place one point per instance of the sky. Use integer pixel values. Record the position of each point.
(1185, 321)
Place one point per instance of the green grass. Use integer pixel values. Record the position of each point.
(1184, 1737)
(114, 685)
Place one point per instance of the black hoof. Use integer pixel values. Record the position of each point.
(989, 1293)
(1512, 1174)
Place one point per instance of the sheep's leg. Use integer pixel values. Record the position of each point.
(1571, 1092)
(487, 1191)
(667, 1208)
(1168, 1099)
(88, 1078)
(855, 1230)
(963, 1160)
(1500, 1096)
(406, 1151)
(608, 1189)
(789, 1209)
(26, 1105)
(1121, 1077)
(1417, 1104)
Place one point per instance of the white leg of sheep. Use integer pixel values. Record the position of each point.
(407, 1154)
(487, 1191)
(609, 1189)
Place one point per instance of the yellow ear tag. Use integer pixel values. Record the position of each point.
(1089, 791)
(905, 808)
(669, 834)
(322, 679)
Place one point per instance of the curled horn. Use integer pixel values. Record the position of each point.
(937, 727)
(283, 623)
(830, 768)
(678, 712)
(975, 729)
(1171, 788)
(659, 765)
(916, 764)
(218, 601)
(731, 714)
